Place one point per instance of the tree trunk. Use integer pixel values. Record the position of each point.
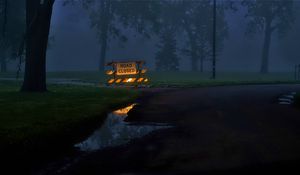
(38, 19)
(3, 65)
(266, 48)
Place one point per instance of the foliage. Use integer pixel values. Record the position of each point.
(12, 22)
(279, 13)
(197, 21)
(289, 45)
(169, 24)
(166, 57)
(108, 17)
(268, 17)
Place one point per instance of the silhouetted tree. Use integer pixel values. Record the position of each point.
(198, 25)
(197, 22)
(107, 16)
(269, 17)
(13, 25)
(289, 46)
(168, 27)
(166, 58)
(38, 19)
(3, 10)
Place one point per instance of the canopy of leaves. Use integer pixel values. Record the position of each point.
(279, 13)
(166, 57)
(198, 23)
(108, 17)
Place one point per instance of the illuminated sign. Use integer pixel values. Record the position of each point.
(131, 73)
(126, 68)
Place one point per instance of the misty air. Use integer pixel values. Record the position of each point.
(149, 87)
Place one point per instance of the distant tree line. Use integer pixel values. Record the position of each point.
(166, 19)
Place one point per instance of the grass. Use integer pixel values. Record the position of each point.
(35, 120)
(183, 78)
(190, 79)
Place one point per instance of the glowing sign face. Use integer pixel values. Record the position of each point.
(128, 68)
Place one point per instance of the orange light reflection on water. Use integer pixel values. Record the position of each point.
(123, 111)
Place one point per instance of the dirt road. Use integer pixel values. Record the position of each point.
(218, 130)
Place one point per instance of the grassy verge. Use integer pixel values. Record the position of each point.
(32, 121)
(191, 79)
(184, 78)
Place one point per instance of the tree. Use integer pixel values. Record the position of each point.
(197, 21)
(198, 25)
(12, 28)
(268, 17)
(38, 18)
(3, 5)
(166, 58)
(289, 46)
(107, 16)
(169, 25)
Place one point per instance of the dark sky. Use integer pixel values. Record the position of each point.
(76, 47)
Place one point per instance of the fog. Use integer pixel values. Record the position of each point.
(76, 47)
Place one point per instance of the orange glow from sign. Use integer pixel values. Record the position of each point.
(129, 80)
(144, 71)
(140, 80)
(111, 81)
(118, 80)
(123, 111)
(109, 72)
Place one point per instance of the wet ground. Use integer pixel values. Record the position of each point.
(216, 130)
(213, 130)
(112, 133)
(115, 131)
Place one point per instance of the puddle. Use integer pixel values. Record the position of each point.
(115, 131)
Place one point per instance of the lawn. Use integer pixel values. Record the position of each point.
(189, 79)
(182, 78)
(56, 118)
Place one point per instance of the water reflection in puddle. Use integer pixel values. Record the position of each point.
(116, 132)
